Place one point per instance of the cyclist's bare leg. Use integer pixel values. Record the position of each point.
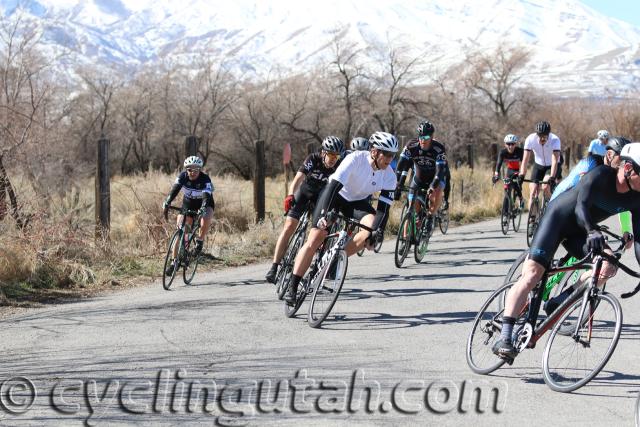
(546, 188)
(607, 271)
(305, 255)
(290, 225)
(205, 223)
(516, 298)
(360, 239)
(533, 192)
(435, 200)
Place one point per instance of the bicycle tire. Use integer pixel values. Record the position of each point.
(286, 269)
(532, 220)
(360, 252)
(517, 214)
(422, 241)
(484, 332)
(378, 244)
(166, 280)
(190, 264)
(573, 378)
(403, 243)
(504, 214)
(324, 297)
(301, 295)
(443, 221)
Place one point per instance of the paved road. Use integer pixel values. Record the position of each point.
(118, 359)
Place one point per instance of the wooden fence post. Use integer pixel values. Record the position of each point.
(103, 192)
(259, 182)
(470, 155)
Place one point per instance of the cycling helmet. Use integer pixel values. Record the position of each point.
(333, 144)
(425, 128)
(617, 143)
(384, 141)
(603, 134)
(359, 144)
(543, 128)
(510, 139)
(193, 161)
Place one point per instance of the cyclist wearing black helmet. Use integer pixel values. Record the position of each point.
(429, 161)
(303, 193)
(546, 150)
(572, 220)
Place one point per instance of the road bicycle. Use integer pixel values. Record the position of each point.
(442, 219)
(585, 328)
(537, 209)
(327, 271)
(413, 229)
(295, 243)
(511, 211)
(187, 258)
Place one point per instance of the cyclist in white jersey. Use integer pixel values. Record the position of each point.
(546, 151)
(360, 174)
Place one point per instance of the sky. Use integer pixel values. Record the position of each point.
(626, 10)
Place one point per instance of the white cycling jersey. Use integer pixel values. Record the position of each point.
(360, 180)
(542, 153)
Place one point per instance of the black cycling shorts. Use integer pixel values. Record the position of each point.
(539, 171)
(549, 236)
(356, 209)
(305, 197)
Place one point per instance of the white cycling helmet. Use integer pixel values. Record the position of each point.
(359, 144)
(384, 141)
(510, 139)
(603, 134)
(631, 153)
(193, 161)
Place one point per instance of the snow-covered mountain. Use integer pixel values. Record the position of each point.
(576, 49)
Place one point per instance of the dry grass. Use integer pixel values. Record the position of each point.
(58, 255)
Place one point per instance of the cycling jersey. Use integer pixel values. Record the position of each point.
(428, 165)
(360, 180)
(317, 174)
(196, 193)
(542, 153)
(583, 166)
(598, 148)
(512, 159)
(578, 211)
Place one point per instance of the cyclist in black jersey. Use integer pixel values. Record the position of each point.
(447, 187)
(511, 155)
(429, 160)
(311, 178)
(571, 220)
(198, 195)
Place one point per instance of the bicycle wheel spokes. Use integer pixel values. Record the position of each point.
(532, 221)
(569, 363)
(327, 288)
(504, 214)
(168, 280)
(485, 331)
(378, 245)
(422, 241)
(444, 221)
(516, 213)
(403, 241)
(286, 269)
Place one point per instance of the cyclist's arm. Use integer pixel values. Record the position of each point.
(402, 169)
(590, 184)
(385, 199)
(207, 195)
(441, 163)
(555, 157)
(499, 162)
(625, 222)
(297, 182)
(175, 189)
(327, 197)
(635, 220)
(525, 162)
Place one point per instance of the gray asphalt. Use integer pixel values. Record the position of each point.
(147, 356)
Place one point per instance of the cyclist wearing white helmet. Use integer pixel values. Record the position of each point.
(512, 156)
(311, 178)
(198, 195)
(360, 174)
(598, 146)
(572, 220)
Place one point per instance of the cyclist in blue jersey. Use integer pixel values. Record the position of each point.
(598, 146)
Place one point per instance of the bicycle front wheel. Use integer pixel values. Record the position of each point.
(516, 214)
(443, 222)
(168, 280)
(403, 241)
(326, 288)
(504, 215)
(485, 331)
(286, 269)
(568, 363)
(532, 221)
(422, 242)
(191, 260)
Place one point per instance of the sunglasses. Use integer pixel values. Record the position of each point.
(193, 170)
(386, 154)
(511, 144)
(332, 156)
(424, 138)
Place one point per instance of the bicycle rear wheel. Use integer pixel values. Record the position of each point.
(568, 363)
(168, 280)
(403, 241)
(485, 331)
(378, 245)
(191, 260)
(286, 269)
(326, 289)
(443, 221)
(301, 295)
(532, 220)
(504, 215)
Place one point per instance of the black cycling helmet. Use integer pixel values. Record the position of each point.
(543, 128)
(333, 144)
(617, 143)
(425, 128)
